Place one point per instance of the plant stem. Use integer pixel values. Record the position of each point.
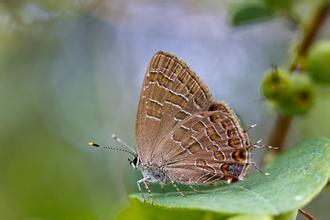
(280, 130)
(282, 123)
(308, 215)
(310, 35)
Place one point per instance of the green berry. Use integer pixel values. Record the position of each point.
(275, 84)
(318, 62)
(300, 96)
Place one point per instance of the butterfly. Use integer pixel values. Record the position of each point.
(183, 135)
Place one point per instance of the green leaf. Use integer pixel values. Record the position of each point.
(292, 215)
(140, 211)
(296, 177)
(251, 217)
(251, 13)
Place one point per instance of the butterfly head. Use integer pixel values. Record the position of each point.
(135, 162)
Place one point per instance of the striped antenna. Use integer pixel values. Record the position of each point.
(92, 144)
(122, 142)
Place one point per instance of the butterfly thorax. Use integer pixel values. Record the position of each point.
(153, 174)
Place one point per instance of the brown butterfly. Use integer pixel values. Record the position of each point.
(183, 135)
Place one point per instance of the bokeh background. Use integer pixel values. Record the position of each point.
(71, 72)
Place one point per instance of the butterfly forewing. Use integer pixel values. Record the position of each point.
(171, 92)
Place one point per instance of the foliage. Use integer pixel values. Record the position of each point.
(251, 13)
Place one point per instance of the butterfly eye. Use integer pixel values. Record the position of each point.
(135, 161)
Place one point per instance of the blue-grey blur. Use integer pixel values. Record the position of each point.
(71, 72)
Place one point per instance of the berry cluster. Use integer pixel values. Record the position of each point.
(294, 92)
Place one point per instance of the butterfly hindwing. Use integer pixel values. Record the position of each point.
(205, 148)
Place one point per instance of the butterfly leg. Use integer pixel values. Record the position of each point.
(139, 187)
(176, 187)
(148, 189)
(195, 190)
(258, 169)
(162, 188)
(257, 145)
(248, 128)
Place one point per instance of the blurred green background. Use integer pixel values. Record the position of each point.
(71, 72)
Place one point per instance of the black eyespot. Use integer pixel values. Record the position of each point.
(235, 169)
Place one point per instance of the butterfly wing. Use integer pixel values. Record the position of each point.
(206, 148)
(170, 93)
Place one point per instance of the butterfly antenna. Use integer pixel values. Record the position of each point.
(92, 144)
(122, 142)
